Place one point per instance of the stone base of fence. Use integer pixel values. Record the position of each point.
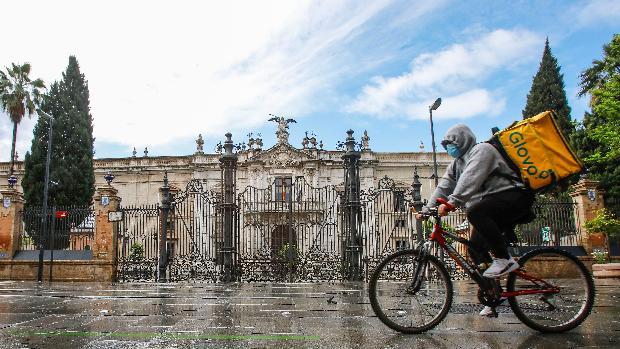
(83, 271)
(607, 270)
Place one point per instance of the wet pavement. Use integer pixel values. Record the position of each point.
(263, 315)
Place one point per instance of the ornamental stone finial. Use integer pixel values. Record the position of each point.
(365, 141)
(282, 131)
(199, 144)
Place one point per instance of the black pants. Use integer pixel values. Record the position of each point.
(493, 215)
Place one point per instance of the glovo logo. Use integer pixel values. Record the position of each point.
(517, 139)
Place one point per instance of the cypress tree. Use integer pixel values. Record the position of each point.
(547, 92)
(71, 167)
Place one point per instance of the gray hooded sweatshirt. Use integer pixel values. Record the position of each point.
(475, 174)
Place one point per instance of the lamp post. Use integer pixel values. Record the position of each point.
(12, 181)
(45, 192)
(109, 177)
(435, 105)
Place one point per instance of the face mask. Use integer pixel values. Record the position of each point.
(453, 150)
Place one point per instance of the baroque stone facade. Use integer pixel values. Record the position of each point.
(138, 178)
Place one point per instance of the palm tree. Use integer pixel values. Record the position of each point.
(18, 95)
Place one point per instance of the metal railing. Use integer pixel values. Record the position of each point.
(613, 205)
(60, 228)
(555, 225)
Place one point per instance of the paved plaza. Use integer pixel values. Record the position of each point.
(263, 315)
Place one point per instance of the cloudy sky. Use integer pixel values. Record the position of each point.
(160, 72)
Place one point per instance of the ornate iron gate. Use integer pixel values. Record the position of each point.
(193, 244)
(194, 235)
(388, 225)
(289, 231)
(137, 243)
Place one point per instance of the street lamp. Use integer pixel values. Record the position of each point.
(430, 110)
(12, 181)
(45, 191)
(109, 177)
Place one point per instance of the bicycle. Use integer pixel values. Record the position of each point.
(411, 291)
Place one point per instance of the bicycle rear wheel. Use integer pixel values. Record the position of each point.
(552, 312)
(400, 307)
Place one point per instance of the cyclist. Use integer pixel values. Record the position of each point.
(481, 181)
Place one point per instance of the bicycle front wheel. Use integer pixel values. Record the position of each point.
(565, 308)
(398, 304)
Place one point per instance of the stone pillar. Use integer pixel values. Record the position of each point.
(10, 221)
(228, 207)
(165, 230)
(417, 202)
(104, 246)
(352, 210)
(588, 199)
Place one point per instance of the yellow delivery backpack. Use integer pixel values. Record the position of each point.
(537, 150)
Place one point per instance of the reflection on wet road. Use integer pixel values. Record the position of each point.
(313, 315)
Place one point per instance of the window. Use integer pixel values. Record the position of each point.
(283, 189)
(399, 201)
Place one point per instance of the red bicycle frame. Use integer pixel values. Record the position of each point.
(438, 235)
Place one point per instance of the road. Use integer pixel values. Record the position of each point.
(263, 315)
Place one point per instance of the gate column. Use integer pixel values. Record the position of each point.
(163, 234)
(10, 221)
(588, 198)
(105, 201)
(352, 206)
(228, 164)
(417, 203)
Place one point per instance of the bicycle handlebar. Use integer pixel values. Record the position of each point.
(433, 211)
(448, 205)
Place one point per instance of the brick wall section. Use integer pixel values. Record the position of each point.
(86, 271)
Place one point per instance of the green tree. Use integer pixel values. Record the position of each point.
(598, 137)
(547, 92)
(19, 96)
(602, 71)
(71, 167)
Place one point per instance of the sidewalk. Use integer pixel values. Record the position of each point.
(262, 315)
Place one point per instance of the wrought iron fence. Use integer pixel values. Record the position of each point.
(613, 205)
(194, 235)
(555, 225)
(60, 228)
(137, 243)
(290, 231)
(387, 223)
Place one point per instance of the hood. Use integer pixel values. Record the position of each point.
(462, 136)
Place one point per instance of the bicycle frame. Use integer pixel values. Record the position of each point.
(438, 235)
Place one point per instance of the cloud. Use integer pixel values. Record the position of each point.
(24, 136)
(597, 12)
(455, 72)
(160, 72)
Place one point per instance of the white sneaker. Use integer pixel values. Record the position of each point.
(500, 267)
(488, 311)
